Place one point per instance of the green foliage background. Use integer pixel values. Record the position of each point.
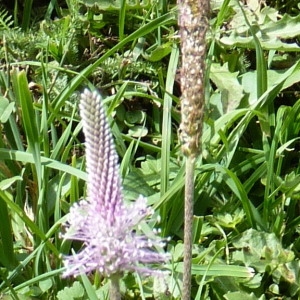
(247, 181)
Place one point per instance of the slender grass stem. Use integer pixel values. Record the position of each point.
(188, 225)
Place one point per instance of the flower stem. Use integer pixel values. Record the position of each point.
(114, 293)
(188, 225)
(193, 23)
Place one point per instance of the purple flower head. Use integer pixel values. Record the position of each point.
(109, 230)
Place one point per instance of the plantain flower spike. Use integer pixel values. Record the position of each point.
(109, 229)
(193, 23)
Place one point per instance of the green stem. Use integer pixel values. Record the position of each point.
(114, 292)
(188, 226)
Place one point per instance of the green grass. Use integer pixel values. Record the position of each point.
(247, 180)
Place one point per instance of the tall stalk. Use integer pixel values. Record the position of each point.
(193, 23)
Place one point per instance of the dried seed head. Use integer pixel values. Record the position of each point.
(193, 24)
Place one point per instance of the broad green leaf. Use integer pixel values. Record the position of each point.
(275, 77)
(151, 170)
(135, 117)
(270, 31)
(138, 131)
(76, 291)
(45, 285)
(230, 220)
(159, 53)
(162, 288)
(289, 275)
(260, 249)
(136, 185)
(230, 88)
